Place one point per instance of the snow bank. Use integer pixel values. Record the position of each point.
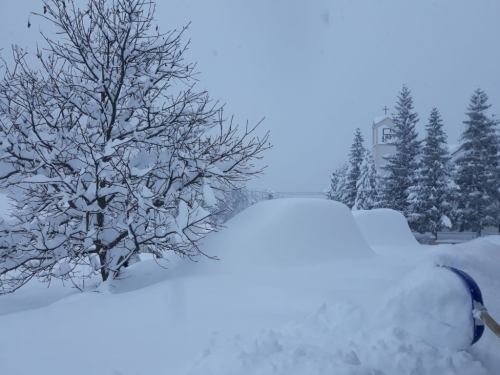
(147, 272)
(288, 232)
(333, 340)
(384, 227)
(433, 304)
(181, 322)
(480, 258)
(422, 326)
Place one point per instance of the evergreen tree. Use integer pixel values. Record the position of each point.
(477, 174)
(367, 185)
(431, 198)
(402, 165)
(338, 179)
(355, 159)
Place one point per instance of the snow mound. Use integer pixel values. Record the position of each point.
(288, 232)
(330, 341)
(433, 304)
(147, 272)
(190, 321)
(384, 227)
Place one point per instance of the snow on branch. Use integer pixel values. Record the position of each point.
(109, 149)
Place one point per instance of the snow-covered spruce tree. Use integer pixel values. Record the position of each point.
(432, 197)
(337, 189)
(477, 174)
(356, 156)
(108, 149)
(367, 185)
(403, 163)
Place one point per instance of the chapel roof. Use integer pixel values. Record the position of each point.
(376, 120)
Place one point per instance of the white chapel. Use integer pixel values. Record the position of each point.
(382, 134)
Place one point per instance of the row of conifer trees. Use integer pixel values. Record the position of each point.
(420, 179)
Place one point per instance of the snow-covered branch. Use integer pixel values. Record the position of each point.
(109, 150)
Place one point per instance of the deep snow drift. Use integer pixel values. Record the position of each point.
(384, 227)
(388, 234)
(296, 291)
(433, 304)
(284, 232)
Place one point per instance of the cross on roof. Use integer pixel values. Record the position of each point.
(385, 110)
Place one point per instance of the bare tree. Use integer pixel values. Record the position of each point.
(107, 149)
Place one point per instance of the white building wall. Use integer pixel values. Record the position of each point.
(381, 142)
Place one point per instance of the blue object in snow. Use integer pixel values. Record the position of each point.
(476, 297)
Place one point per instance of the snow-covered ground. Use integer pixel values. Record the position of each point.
(302, 286)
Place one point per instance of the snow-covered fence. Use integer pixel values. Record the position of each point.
(295, 194)
(423, 238)
(455, 237)
(449, 237)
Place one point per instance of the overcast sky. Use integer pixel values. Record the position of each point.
(317, 69)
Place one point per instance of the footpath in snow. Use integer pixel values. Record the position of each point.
(302, 286)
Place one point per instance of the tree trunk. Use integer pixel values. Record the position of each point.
(99, 247)
(104, 271)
